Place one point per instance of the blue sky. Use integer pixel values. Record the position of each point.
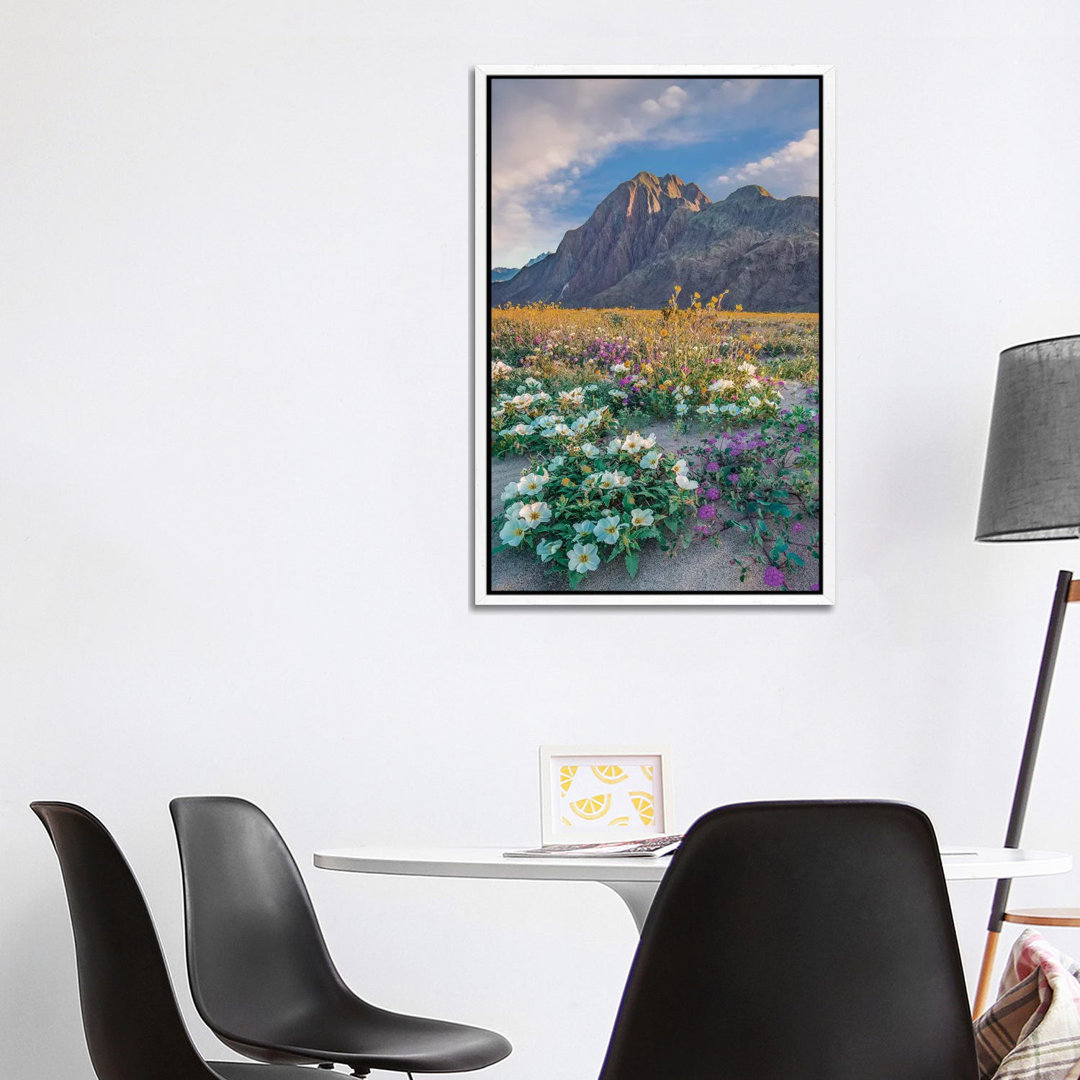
(559, 145)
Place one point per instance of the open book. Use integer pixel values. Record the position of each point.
(651, 847)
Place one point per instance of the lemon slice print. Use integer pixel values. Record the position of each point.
(646, 771)
(609, 774)
(624, 820)
(643, 804)
(592, 808)
(566, 777)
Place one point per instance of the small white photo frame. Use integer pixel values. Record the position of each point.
(590, 794)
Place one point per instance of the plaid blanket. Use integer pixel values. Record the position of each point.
(1032, 1031)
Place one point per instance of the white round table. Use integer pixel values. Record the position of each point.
(636, 879)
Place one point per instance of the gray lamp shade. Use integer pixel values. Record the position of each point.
(1031, 484)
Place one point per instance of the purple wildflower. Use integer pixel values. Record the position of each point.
(712, 467)
(774, 578)
(733, 478)
(800, 428)
(797, 527)
(706, 512)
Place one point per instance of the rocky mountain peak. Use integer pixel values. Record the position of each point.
(652, 233)
(749, 193)
(672, 185)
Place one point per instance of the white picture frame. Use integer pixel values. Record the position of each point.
(546, 590)
(590, 794)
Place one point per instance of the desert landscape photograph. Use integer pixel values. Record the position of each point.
(652, 351)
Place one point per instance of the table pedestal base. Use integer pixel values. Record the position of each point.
(637, 896)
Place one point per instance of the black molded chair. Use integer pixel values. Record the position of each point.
(133, 1026)
(798, 941)
(259, 969)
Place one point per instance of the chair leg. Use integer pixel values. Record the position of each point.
(983, 990)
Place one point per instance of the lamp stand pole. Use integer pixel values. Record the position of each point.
(1064, 593)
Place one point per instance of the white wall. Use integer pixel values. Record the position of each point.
(235, 476)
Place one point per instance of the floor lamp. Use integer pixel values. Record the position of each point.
(1031, 491)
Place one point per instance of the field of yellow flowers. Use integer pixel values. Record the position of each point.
(623, 436)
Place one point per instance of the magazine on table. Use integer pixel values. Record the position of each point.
(649, 847)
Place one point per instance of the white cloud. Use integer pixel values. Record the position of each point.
(671, 100)
(549, 134)
(792, 170)
(546, 134)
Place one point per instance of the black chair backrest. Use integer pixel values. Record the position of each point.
(132, 1022)
(798, 941)
(255, 951)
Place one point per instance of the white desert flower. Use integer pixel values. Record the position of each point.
(613, 446)
(513, 511)
(513, 532)
(584, 528)
(589, 450)
(641, 517)
(532, 484)
(510, 491)
(685, 483)
(546, 548)
(607, 530)
(583, 557)
(633, 443)
(651, 459)
(754, 402)
(679, 467)
(534, 514)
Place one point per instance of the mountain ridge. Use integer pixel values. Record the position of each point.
(651, 233)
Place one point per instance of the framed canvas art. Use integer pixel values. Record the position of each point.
(596, 793)
(654, 328)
